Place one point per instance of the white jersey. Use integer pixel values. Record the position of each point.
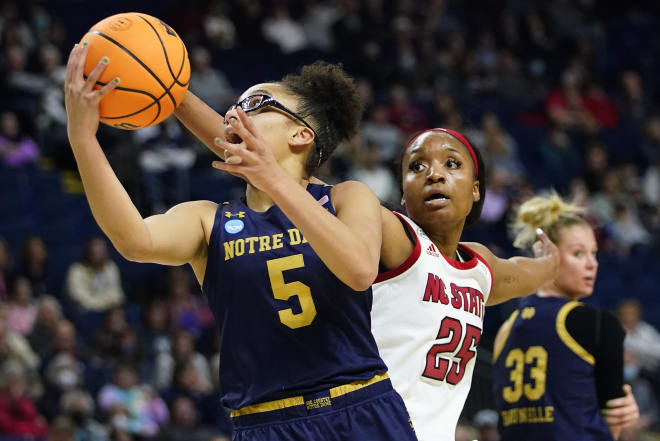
(427, 318)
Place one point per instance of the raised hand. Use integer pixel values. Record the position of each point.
(80, 98)
(545, 247)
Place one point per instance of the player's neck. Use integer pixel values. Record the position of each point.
(446, 241)
(552, 290)
(259, 200)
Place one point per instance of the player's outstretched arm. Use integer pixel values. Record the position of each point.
(202, 121)
(521, 276)
(174, 238)
(348, 243)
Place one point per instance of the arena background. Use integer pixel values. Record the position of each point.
(557, 94)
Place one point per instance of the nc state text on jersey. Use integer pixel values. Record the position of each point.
(462, 297)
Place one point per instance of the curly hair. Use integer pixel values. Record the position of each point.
(328, 97)
(549, 213)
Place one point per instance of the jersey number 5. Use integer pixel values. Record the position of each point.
(446, 369)
(284, 291)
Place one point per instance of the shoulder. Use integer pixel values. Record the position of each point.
(483, 252)
(194, 207)
(352, 192)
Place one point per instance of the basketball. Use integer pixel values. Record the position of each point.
(151, 61)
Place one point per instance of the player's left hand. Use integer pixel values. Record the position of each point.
(252, 159)
(622, 412)
(545, 247)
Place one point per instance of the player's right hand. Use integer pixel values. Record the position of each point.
(545, 247)
(80, 98)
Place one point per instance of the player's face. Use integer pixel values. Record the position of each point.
(275, 125)
(578, 264)
(439, 185)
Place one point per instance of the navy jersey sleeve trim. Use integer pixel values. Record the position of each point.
(602, 335)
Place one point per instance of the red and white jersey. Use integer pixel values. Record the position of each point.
(427, 318)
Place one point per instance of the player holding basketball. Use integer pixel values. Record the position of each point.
(558, 362)
(287, 271)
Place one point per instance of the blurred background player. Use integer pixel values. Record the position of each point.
(558, 362)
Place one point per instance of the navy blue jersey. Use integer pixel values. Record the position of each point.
(288, 326)
(545, 387)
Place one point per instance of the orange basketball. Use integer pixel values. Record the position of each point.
(151, 61)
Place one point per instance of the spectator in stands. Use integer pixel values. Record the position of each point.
(566, 106)
(466, 433)
(64, 369)
(633, 99)
(377, 130)
(499, 147)
(94, 283)
(218, 27)
(19, 416)
(34, 259)
(280, 29)
(486, 423)
(22, 309)
(165, 162)
(107, 338)
(600, 106)
(183, 351)
(649, 411)
(78, 405)
(184, 425)
(15, 348)
(16, 148)
(132, 406)
(186, 310)
(369, 169)
(627, 230)
(408, 117)
(207, 82)
(49, 313)
(156, 335)
(642, 340)
(22, 87)
(5, 267)
(560, 161)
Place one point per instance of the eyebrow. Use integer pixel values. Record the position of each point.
(416, 149)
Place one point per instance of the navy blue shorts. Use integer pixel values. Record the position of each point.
(374, 412)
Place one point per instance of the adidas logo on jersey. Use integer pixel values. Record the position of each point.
(432, 251)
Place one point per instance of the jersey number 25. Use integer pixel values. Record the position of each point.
(446, 369)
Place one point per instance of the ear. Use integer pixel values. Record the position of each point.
(476, 194)
(301, 137)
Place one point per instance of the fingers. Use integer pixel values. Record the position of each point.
(103, 91)
(241, 130)
(238, 153)
(247, 122)
(95, 74)
(69, 65)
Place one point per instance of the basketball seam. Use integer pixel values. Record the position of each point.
(165, 88)
(127, 89)
(167, 58)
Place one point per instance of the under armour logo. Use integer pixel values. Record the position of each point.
(240, 214)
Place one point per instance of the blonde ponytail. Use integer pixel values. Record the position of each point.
(549, 213)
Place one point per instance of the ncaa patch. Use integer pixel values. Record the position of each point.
(234, 226)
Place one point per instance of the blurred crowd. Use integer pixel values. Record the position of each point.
(556, 94)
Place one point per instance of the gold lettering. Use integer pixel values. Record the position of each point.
(239, 247)
(277, 240)
(304, 240)
(530, 415)
(251, 241)
(294, 236)
(229, 250)
(264, 243)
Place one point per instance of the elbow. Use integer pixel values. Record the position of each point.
(133, 253)
(362, 279)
